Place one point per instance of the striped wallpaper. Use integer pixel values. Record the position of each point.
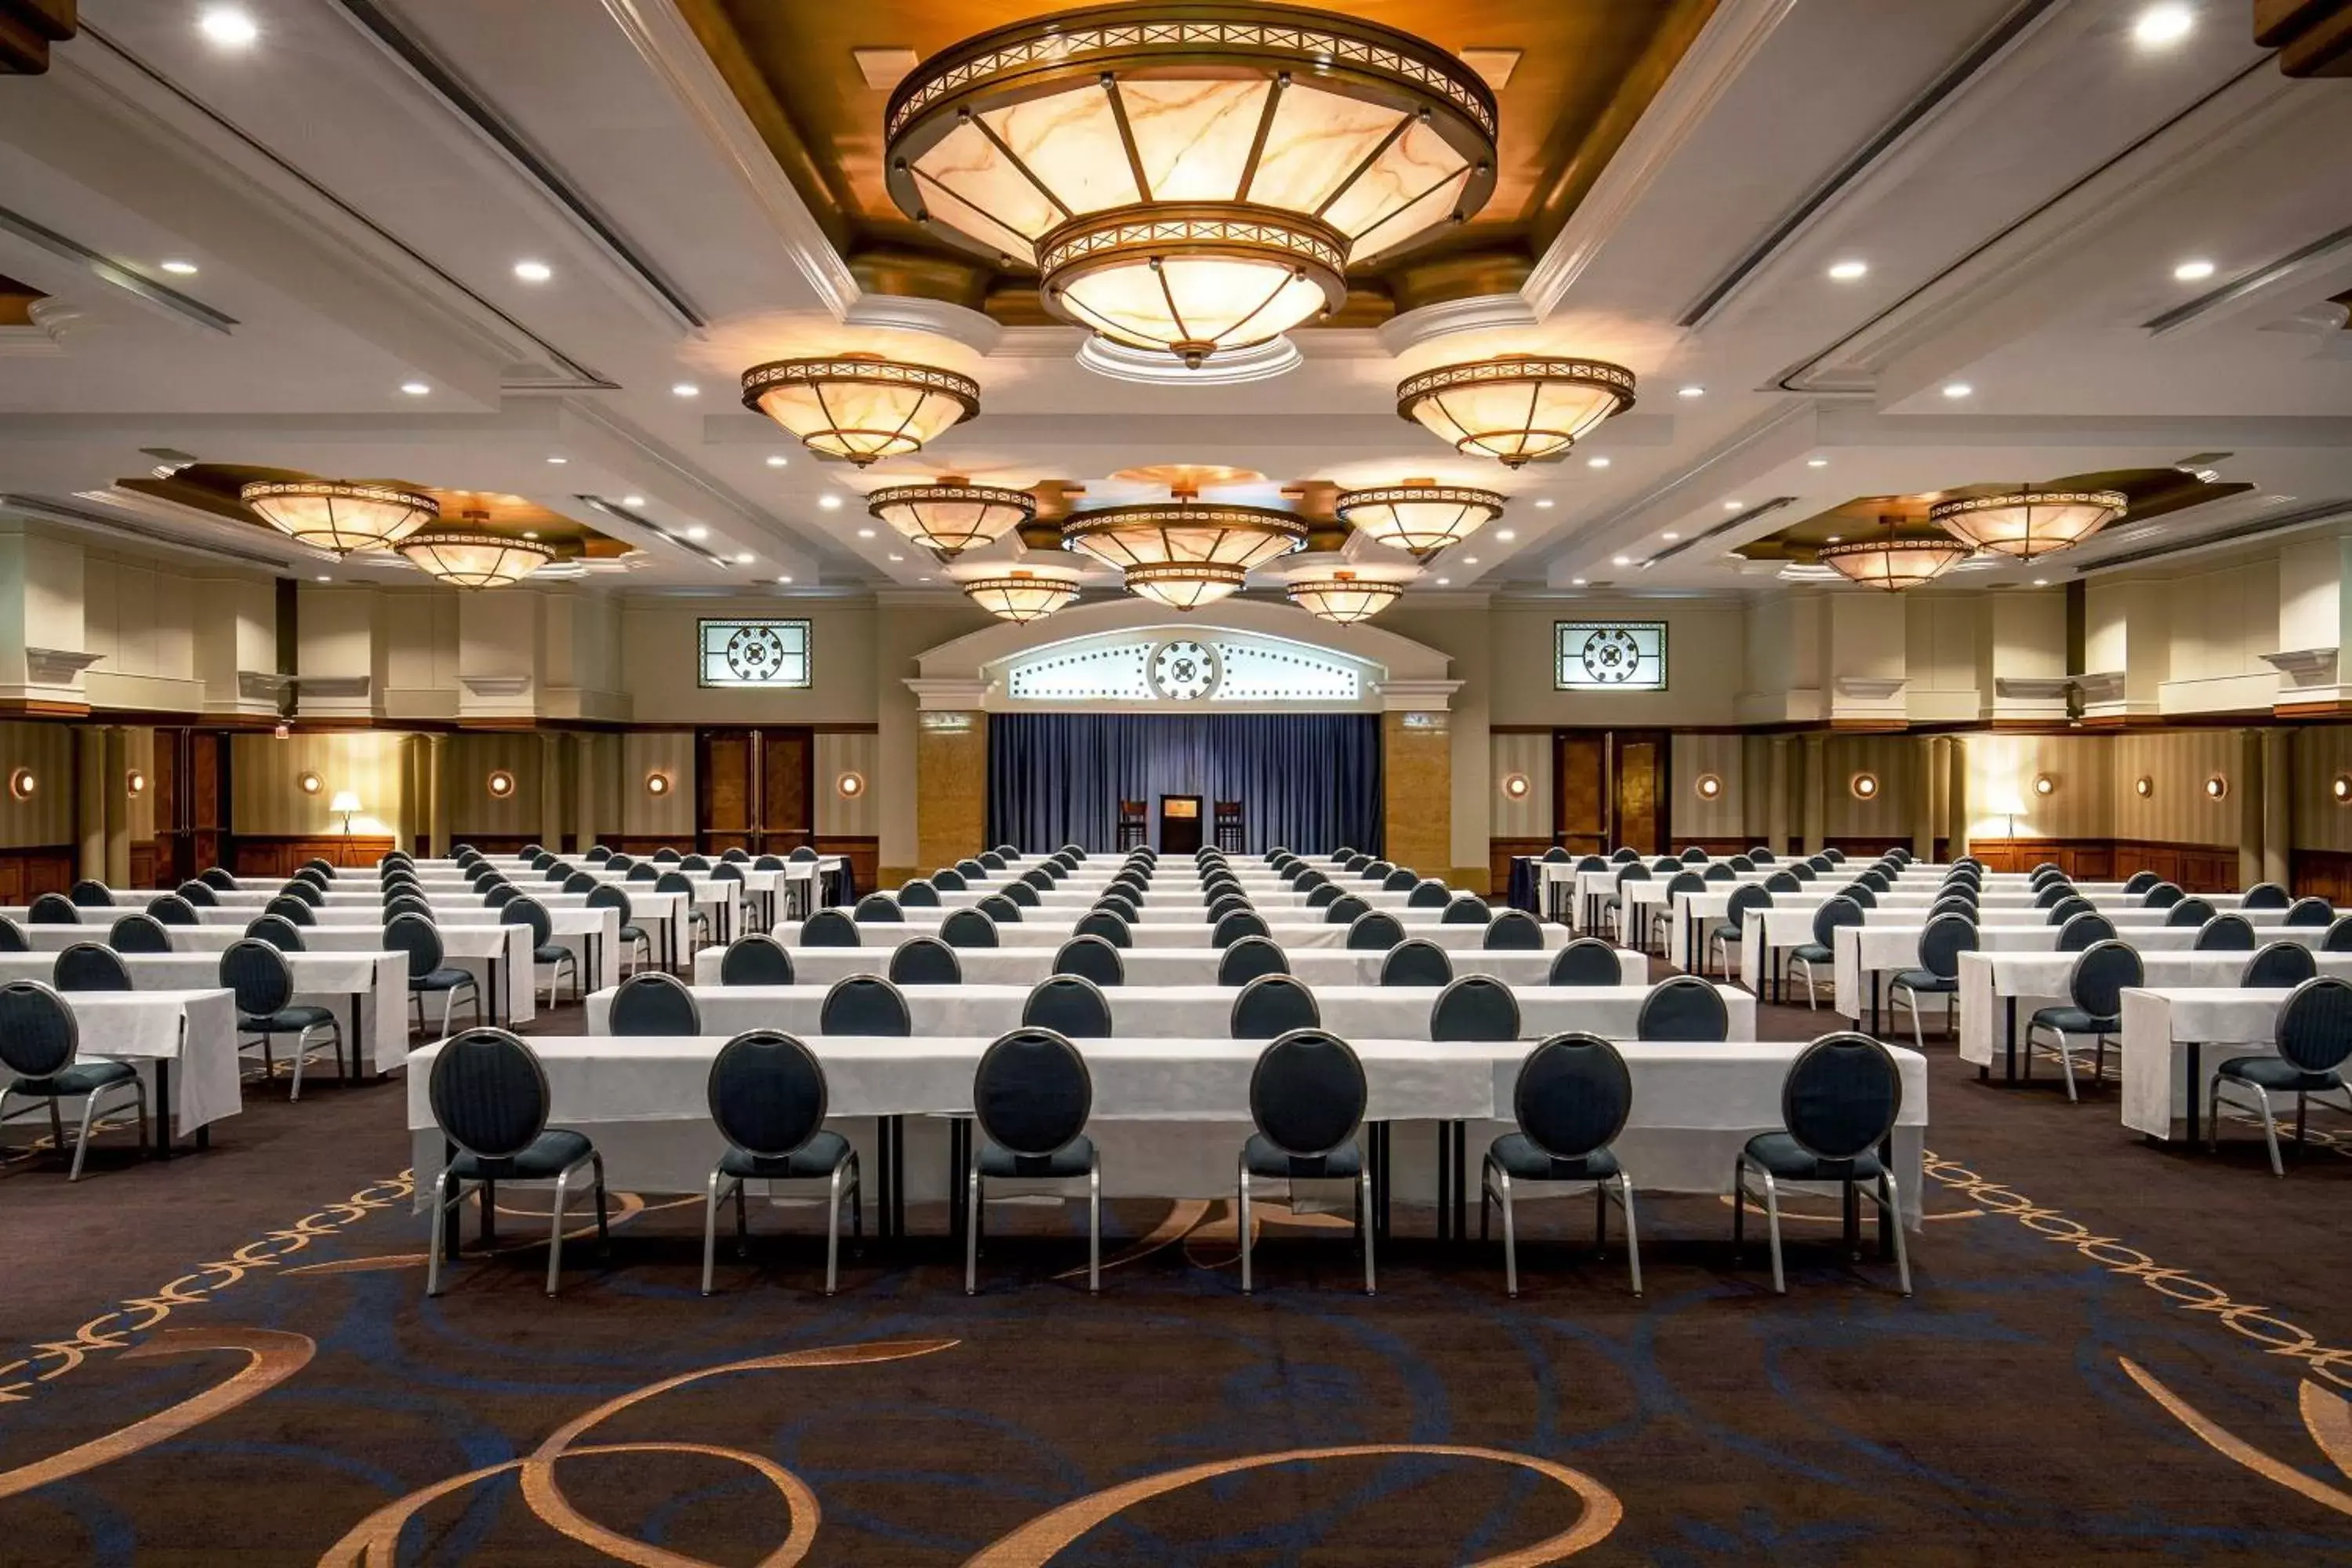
(46, 817)
(647, 815)
(266, 799)
(1692, 816)
(840, 753)
(1524, 754)
(2177, 762)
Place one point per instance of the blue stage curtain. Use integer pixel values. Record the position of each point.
(1310, 782)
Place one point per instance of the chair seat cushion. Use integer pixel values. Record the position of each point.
(81, 1078)
(633, 933)
(1072, 1159)
(1927, 980)
(1517, 1154)
(814, 1159)
(551, 954)
(1812, 952)
(2279, 1075)
(1262, 1159)
(2076, 1021)
(448, 979)
(1723, 931)
(1787, 1160)
(550, 1153)
(286, 1020)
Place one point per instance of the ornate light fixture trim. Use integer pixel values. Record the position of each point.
(338, 516)
(472, 559)
(2029, 523)
(1895, 557)
(1020, 594)
(1419, 516)
(1184, 555)
(951, 514)
(1519, 407)
(1344, 597)
(860, 406)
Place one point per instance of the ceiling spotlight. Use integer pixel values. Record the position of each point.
(778, 460)
(1834, 539)
(1735, 505)
(1576, 582)
(1670, 537)
(558, 462)
(322, 577)
(1544, 505)
(2193, 271)
(227, 26)
(1469, 561)
(1596, 462)
(1621, 560)
(2164, 24)
(1691, 392)
(1504, 534)
(533, 271)
(698, 531)
(180, 269)
(2041, 582)
(1847, 271)
(744, 558)
(1446, 582)
(415, 388)
(633, 501)
(1957, 389)
(830, 503)
(685, 389)
(895, 557)
(865, 533)
(1817, 462)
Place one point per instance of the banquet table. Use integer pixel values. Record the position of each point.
(2166, 1064)
(1052, 932)
(157, 1031)
(1169, 1115)
(1317, 966)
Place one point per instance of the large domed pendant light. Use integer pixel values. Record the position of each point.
(860, 406)
(1027, 593)
(1516, 408)
(2029, 523)
(951, 514)
(1184, 553)
(474, 557)
(1896, 556)
(1192, 179)
(338, 516)
(1420, 517)
(1343, 595)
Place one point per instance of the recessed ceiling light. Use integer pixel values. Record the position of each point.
(1441, 582)
(1847, 271)
(2160, 26)
(2041, 582)
(2193, 271)
(698, 531)
(895, 557)
(1506, 535)
(227, 26)
(685, 389)
(780, 579)
(744, 558)
(865, 533)
(1544, 505)
(777, 461)
(559, 462)
(1958, 389)
(830, 503)
(324, 578)
(1834, 539)
(883, 67)
(1670, 537)
(1469, 561)
(1691, 392)
(1817, 462)
(1596, 462)
(415, 388)
(633, 501)
(530, 533)
(1576, 582)
(1734, 505)
(533, 271)
(1621, 560)
(179, 269)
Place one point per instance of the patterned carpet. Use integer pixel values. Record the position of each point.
(2115, 1354)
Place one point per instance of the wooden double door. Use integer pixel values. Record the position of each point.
(1611, 789)
(757, 789)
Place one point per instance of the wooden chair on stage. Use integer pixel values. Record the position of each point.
(1134, 825)
(1229, 826)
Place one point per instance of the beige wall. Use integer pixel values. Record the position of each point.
(1707, 641)
(265, 799)
(2321, 754)
(2178, 762)
(1527, 754)
(657, 658)
(1886, 814)
(644, 815)
(840, 754)
(48, 817)
(1691, 815)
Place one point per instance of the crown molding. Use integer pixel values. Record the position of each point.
(1477, 313)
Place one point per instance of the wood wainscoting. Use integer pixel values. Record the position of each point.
(258, 856)
(26, 874)
(2197, 868)
(1501, 852)
(2323, 873)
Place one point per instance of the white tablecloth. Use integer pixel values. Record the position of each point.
(1050, 931)
(1166, 965)
(193, 1031)
(2224, 1022)
(1989, 982)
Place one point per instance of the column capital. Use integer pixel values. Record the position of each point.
(434, 740)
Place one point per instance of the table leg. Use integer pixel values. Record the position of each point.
(897, 1175)
(1380, 1134)
(1444, 1186)
(1461, 1173)
(2008, 1070)
(959, 1165)
(163, 1108)
(882, 1176)
(1874, 1004)
(359, 1035)
(2196, 1086)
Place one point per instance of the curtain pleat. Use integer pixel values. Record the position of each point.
(1310, 782)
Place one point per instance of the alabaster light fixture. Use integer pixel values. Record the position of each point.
(1895, 557)
(1420, 517)
(338, 516)
(951, 514)
(1028, 593)
(1184, 552)
(2028, 522)
(1344, 595)
(1516, 408)
(473, 557)
(1192, 181)
(860, 406)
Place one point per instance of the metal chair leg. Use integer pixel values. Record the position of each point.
(1364, 1224)
(710, 1232)
(555, 1232)
(81, 1142)
(1510, 1237)
(1739, 1206)
(1893, 1199)
(833, 1232)
(1094, 1227)
(971, 1225)
(444, 1197)
(1245, 1222)
(1772, 1218)
(2269, 1130)
(1632, 1238)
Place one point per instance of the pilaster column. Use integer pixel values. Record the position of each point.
(584, 787)
(2278, 806)
(551, 790)
(2253, 788)
(1956, 809)
(115, 776)
(436, 790)
(1817, 795)
(1923, 800)
(1939, 783)
(89, 803)
(1776, 809)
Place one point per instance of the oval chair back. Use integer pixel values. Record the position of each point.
(1091, 958)
(1514, 931)
(2050, 894)
(39, 1036)
(277, 931)
(2280, 967)
(2161, 896)
(1838, 911)
(13, 938)
(2338, 937)
(987, 860)
(999, 909)
(653, 1004)
(171, 909)
(755, 960)
(1941, 942)
(2067, 907)
(599, 853)
(1475, 1007)
(1693, 855)
(1683, 1009)
(968, 928)
(2189, 911)
(1623, 855)
(1108, 926)
(53, 909)
(865, 1005)
(416, 936)
(1249, 957)
(1859, 894)
(1272, 1006)
(2083, 931)
(2097, 981)
(1964, 908)
(2311, 912)
(1841, 1099)
(1230, 929)
(200, 894)
(583, 883)
(879, 908)
(1229, 903)
(217, 878)
(1307, 1094)
(1069, 1004)
(1322, 895)
(948, 879)
(1032, 1093)
(1740, 863)
(1783, 882)
(1020, 893)
(293, 912)
(1374, 930)
(531, 913)
(488, 1094)
(89, 894)
(1721, 871)
(2265, 896)
(1587, 960)
(2315, 1025)
(925, 961)
(918, 894)
(259, 975)
(643, 871)
(1403, 880)
(2140, 882)
(87, 966)
(1428, 893)
(1417, 962)
(767, 1094)
(1877, 881)
(1345, 911)
(1573, 1095)
(830, 928)
(2225, 933)
(138, 933)
(1469, 909)
(802, 853)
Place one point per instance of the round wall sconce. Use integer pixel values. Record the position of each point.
(657, 784)
(1865, 786)
(1709, 787)
(849, 786)
(500, 784)
(2339, 788)
(2142, 786)
(135, 782)
(21, 783)
(310, 784)
(1516, 787)
(2217, 786)
(2044, 785)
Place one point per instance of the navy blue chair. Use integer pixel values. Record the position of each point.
(2189, 911)
(2161, 896)
(2339, 936)
(201, 895)
(2278, 967)
(653, 1004)
(1587, 960)
(2313, 1035)
(293, 912)
(13, 938)
(1941, 942)
(2265, 896)
(2094, 988)
(2314, 912)
(1020, 893)
(1860, 895)
(1838, 1108)
(636, 942)
(1323, 896)
(999, 909)
(968, 928)
(1571, 1101)
(138, 933)
(948, 879)
(1306, 1102)
(1732, 928)
(88, 966)
(1377, 931)
(264, 986)
(879, 908)
(1475, 1007)
(1069, 1004)
(490, 1099)
(1783, 882)
(1271, 1007)
(277, 930)
(2224, 933)
(865, 1005)
(217, 879)
(1091, 958)
(1346, 910)
(40, 1038)
(416, 936)
(1818, 953)
(1428, 893)
(598, 854)
(1108, 926)
(2080, 932)
(545, 951)
(2140, 882)
(1514, 931)
(172, 910)
(91, 895)
(1230, 929)
(755, 960)
(830, 928)
(1417, 962)
(925, 961)
(1031, 1097)
(1249, 957)
(1684, 1008)
(1469, 909)
(768, 1099)
(1403, 880)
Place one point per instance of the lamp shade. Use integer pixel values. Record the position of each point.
(344, 801)
(1519, 407)
(1184, 553)
(1020, 593)
(2029, 523)
(1420, 517)
(1897, 557)
(951, 514)
(465, 559)
(860, 406)
(1343, 596)
(337, 516)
